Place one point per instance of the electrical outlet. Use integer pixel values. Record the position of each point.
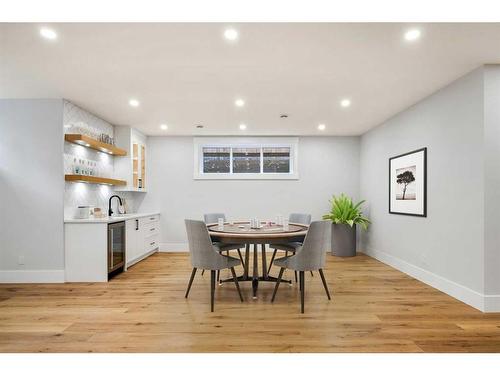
(20, 260)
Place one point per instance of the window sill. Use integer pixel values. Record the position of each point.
(246, 176)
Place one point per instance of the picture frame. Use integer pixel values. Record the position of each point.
(408, 183)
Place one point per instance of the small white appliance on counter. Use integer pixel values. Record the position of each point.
(82, 212)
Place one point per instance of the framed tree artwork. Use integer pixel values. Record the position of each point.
(408, 183)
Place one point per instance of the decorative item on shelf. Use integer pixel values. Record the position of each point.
(344, 216)
(106, 139)
(83, 170)
(408, 183)
(84, 167)
(76, 166)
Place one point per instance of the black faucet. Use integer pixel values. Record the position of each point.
(110, 211)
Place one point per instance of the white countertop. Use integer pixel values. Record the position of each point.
(107, 220)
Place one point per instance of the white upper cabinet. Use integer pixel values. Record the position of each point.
(131, 168)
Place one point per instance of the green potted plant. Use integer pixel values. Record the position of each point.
(345, 215)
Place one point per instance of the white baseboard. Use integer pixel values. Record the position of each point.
(31, 276)
(174, 247)
(142, 257)
(484, 303)
(491, 303)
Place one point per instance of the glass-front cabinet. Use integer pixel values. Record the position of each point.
(131, 168)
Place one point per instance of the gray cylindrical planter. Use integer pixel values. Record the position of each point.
(343, 240)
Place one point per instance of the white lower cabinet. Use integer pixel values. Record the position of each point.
(142, 238)
(131, 241)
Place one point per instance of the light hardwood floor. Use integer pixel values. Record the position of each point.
(374, 309)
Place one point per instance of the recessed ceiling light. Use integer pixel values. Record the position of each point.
(231, 34)
(412, 34)
(321, 127)
(345, 103)
(239, 102)
(133, 103)
(48, 33)
(163, 126)
(243, 126)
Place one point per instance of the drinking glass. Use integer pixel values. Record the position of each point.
(279, 220)
(220, 223)
(285, 224)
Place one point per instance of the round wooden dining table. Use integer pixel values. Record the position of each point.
(268, 234)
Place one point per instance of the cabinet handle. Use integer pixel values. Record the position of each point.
(152, 243)
(136, 224)
(151, 218)
(152, 229)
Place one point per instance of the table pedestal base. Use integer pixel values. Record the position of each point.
(255, 278)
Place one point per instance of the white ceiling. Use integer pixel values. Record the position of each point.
(186, 74)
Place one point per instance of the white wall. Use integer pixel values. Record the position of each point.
(327, 165)
(31, 190)
(446, 249)
(492, 185)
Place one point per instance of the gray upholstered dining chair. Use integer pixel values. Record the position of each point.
(206, 256)
(310, 256)
(213, 218)
(291, 246)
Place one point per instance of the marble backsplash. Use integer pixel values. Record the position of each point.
(81, 194)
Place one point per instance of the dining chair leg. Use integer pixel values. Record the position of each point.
(282, 269)
(264, 261)
(312, 274)
(202, 272)
(272, 260)
(212, 290)
(247, 260)
(235, 279)
(296, 276)
(190, 282)
(324, 282)
(218, 277)
(302, 291)
(241, 258)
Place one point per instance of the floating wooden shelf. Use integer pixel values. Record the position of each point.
(127, 188)
(94, 180)
(85, 141)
